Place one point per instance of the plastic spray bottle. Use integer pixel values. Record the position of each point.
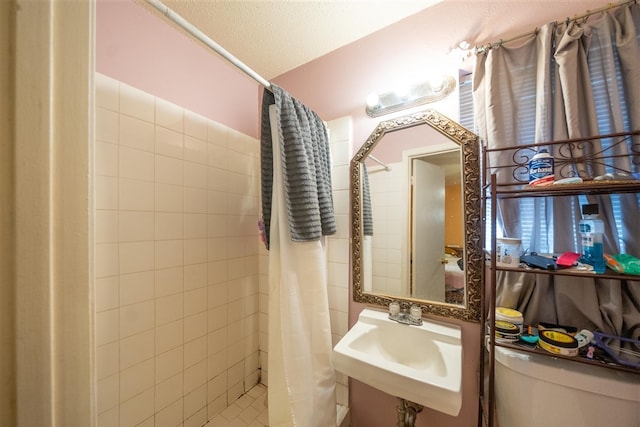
(591, 235)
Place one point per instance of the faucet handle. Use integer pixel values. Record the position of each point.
(394, 308)
(415, 313)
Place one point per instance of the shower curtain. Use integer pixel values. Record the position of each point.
(553, 77)
(297, 213)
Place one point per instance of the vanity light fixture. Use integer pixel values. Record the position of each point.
(422, 93)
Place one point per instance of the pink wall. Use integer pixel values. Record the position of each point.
(136, 47)
(337, 84)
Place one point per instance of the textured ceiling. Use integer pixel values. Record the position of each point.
(273, 37)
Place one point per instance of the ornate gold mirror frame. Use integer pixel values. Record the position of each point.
(473, 254)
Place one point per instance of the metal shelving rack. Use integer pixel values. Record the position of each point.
(573, 157)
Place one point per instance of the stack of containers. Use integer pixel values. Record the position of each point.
(509, 324)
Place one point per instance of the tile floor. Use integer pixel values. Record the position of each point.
(250, 410)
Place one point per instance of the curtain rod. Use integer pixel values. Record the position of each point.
(489, 46)
(191, 29)
(385, 166)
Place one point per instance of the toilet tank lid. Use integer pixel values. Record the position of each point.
(580, 376)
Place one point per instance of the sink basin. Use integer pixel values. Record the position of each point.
(422, 364)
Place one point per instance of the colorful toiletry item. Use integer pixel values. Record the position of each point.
(571, 330)
(567, 259)
(584, 337)
(531, 335)
(510, 315)
(558, 343)
(623, 263)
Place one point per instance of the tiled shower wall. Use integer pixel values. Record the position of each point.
(179, 310)
(341, 139)
(388, 228)
(176, 261)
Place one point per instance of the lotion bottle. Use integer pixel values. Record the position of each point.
(591, 236)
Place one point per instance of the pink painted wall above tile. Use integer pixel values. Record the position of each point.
(135, 46)
(337, 84)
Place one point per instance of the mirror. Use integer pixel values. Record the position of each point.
(416, 216)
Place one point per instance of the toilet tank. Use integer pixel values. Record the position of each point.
(538, 391)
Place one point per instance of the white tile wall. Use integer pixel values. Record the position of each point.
(388, 223)
(176, 264)
(341, 138)
(181, 279)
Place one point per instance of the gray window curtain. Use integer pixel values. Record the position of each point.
(542, 89)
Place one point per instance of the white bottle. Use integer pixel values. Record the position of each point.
(541, 170)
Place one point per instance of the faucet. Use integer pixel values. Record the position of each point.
(405, 314)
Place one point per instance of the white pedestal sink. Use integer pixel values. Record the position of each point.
(422, 364)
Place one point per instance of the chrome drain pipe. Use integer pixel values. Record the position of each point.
(407, 413)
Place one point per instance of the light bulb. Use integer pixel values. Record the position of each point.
(402, 90)
(372, 99)
(436, 83)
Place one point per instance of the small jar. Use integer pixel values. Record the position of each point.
(510, 315)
